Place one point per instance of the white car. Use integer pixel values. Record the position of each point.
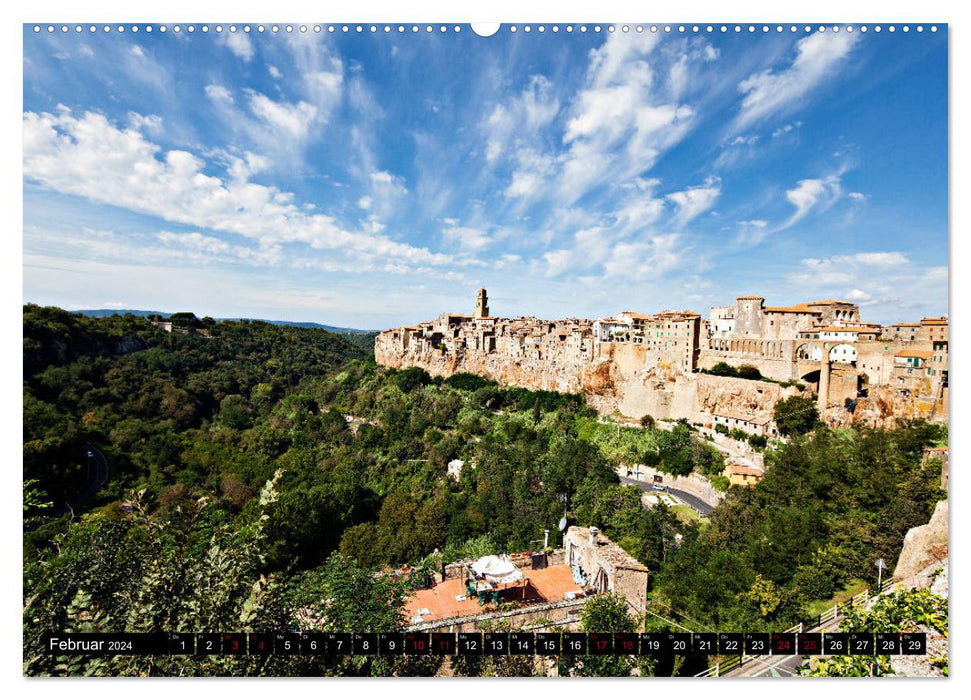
(660, 487)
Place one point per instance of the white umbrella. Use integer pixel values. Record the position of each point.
(497, 569)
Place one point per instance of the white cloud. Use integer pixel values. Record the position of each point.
(786, 129)
(858, 196)
(752, 232)
(557, 262)
(249, 164)
(619, 123)
(364, 202)
(889, 283)
(812, 194)
(90, 157)
(321, 73)
(638, 212)
(274, 72)
(514, 123)
(524, 184)
(769, 92)
(695, 201)
(467, 238)
(292, 119)
(738, 150)
(850, 268)
(140, 122)
(239, 43)
(218, 93)
(648, 258)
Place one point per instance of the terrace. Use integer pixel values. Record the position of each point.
(450, 598)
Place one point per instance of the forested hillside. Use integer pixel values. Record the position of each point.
(259, 476)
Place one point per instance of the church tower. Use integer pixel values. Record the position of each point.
(481, 304)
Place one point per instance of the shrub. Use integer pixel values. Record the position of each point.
(723, 369)
(468, 382)
(748, 372)
(412, 378)
(757, 441)
(719, 428)
(647, 421)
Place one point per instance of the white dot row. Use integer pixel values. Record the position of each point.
(414, 28)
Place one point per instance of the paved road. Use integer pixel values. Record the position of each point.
(688, 499)
(97, 477)
(776, 666)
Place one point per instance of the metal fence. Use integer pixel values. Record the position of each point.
(838, 610)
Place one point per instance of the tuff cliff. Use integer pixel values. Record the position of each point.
(614, 377)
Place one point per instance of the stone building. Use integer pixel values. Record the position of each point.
(653, 364)
(605, 566)
(742, 474)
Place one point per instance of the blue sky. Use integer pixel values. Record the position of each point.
(374, 180)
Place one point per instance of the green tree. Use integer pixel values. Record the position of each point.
(795, 415)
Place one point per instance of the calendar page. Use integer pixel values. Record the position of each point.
(526, 349)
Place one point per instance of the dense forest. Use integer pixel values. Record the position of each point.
(261, 474)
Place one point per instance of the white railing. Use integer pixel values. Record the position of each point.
(829, 615)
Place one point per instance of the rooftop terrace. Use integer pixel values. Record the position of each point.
(442, 601)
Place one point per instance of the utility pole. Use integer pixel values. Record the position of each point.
(881, 565)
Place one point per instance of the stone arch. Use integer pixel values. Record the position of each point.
(843, 353)
(809, 351)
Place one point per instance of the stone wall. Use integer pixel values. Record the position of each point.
(562, 614)
(607, 566)
(772, 367)
(525, 563)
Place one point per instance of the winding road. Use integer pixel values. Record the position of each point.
(689, 499)
(96, 478)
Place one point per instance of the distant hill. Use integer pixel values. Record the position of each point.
(102, 313)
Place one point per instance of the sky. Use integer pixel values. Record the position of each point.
(373, 180)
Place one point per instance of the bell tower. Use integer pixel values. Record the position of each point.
(481, 304)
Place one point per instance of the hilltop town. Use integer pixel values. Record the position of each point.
(637, 364)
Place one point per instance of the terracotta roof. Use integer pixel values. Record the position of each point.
(839, 329)
(908, 325)
(922, 354)
(750, 297)
(935, 321)
(797, 309)
(827, 302)
(743, 470)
